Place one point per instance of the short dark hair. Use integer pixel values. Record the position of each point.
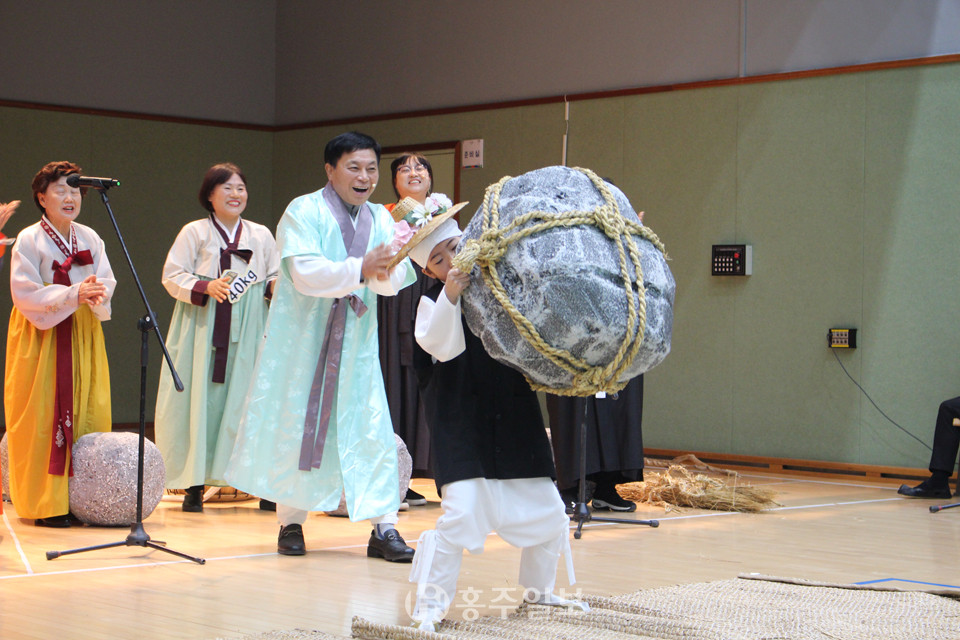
(51, 172)
(401, 160)
(215, 176)
(348, 143)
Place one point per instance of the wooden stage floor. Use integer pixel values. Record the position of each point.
(849, 532)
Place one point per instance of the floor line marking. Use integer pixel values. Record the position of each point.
(16, 543)
(839, 483)
(834, 504)
(930, 584)
(31, 573)
(731, 513)
(169, 562)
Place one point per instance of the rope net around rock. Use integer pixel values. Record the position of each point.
(493, 243)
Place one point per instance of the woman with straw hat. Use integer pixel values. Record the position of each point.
(412, 180)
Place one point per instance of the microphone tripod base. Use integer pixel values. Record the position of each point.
(581, 514)
(138, 537)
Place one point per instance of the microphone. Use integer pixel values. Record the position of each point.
(75, 180)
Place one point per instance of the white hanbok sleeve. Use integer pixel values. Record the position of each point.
(180, 267)
(321, 277)
(47, 305)
(439, 330)
(105, 275)
(392, 285)
(271, 259)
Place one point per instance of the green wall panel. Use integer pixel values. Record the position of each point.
(800, 186)
(846, 186)
(912, 264)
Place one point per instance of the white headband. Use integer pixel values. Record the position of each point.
(446, 230)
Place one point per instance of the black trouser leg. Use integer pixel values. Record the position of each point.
(946, 438)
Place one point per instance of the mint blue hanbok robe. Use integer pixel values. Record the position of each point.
(360, 454)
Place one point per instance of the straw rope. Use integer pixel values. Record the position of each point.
(494, 241)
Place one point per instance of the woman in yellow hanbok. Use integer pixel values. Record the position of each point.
(57, 383)
(6, 210)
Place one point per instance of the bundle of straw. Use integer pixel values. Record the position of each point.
(679, 487)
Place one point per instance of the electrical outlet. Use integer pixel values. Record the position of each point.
(842, 339)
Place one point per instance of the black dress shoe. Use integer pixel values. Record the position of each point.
(570, 498)
(193, 500)
(57, 522)
(925, 489)
(391, 548)
(415, 499)
(290, 541)
(267, 505)
(606, 497)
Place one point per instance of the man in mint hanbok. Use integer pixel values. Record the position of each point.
(317, 424)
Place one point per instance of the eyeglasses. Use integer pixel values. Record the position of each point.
(406, 168)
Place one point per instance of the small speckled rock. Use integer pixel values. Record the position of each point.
(5, 464)
(567, 282)
(405, 461)
(103, 489)
(406, 471)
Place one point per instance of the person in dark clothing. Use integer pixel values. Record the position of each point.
(943, 459)
(614, 445)
(411, 175)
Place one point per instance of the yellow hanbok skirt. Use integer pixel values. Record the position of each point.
(28, 396)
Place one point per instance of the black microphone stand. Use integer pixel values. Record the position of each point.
(138, 535)
(581, 512)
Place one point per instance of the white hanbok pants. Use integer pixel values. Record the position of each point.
(526, 512)
(291, 515)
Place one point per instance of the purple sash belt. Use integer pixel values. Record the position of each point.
(62, 436)
(326, 377)
(221, 317)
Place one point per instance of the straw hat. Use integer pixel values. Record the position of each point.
(424, 231)
(404, 208)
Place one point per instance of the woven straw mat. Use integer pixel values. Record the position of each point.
(749, 607)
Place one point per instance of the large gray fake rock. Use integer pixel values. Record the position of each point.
(103, 489)
(567, 282)
(405, 465)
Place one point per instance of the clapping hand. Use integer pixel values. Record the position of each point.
(91, 291)
(6, 210)
(375, 263)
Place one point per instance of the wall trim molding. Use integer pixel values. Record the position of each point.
(664, 88)
(800, 467)
(109, 113)
(508, 104)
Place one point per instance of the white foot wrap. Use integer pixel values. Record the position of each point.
(551, 600)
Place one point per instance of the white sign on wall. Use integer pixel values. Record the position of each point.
(471, 154)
